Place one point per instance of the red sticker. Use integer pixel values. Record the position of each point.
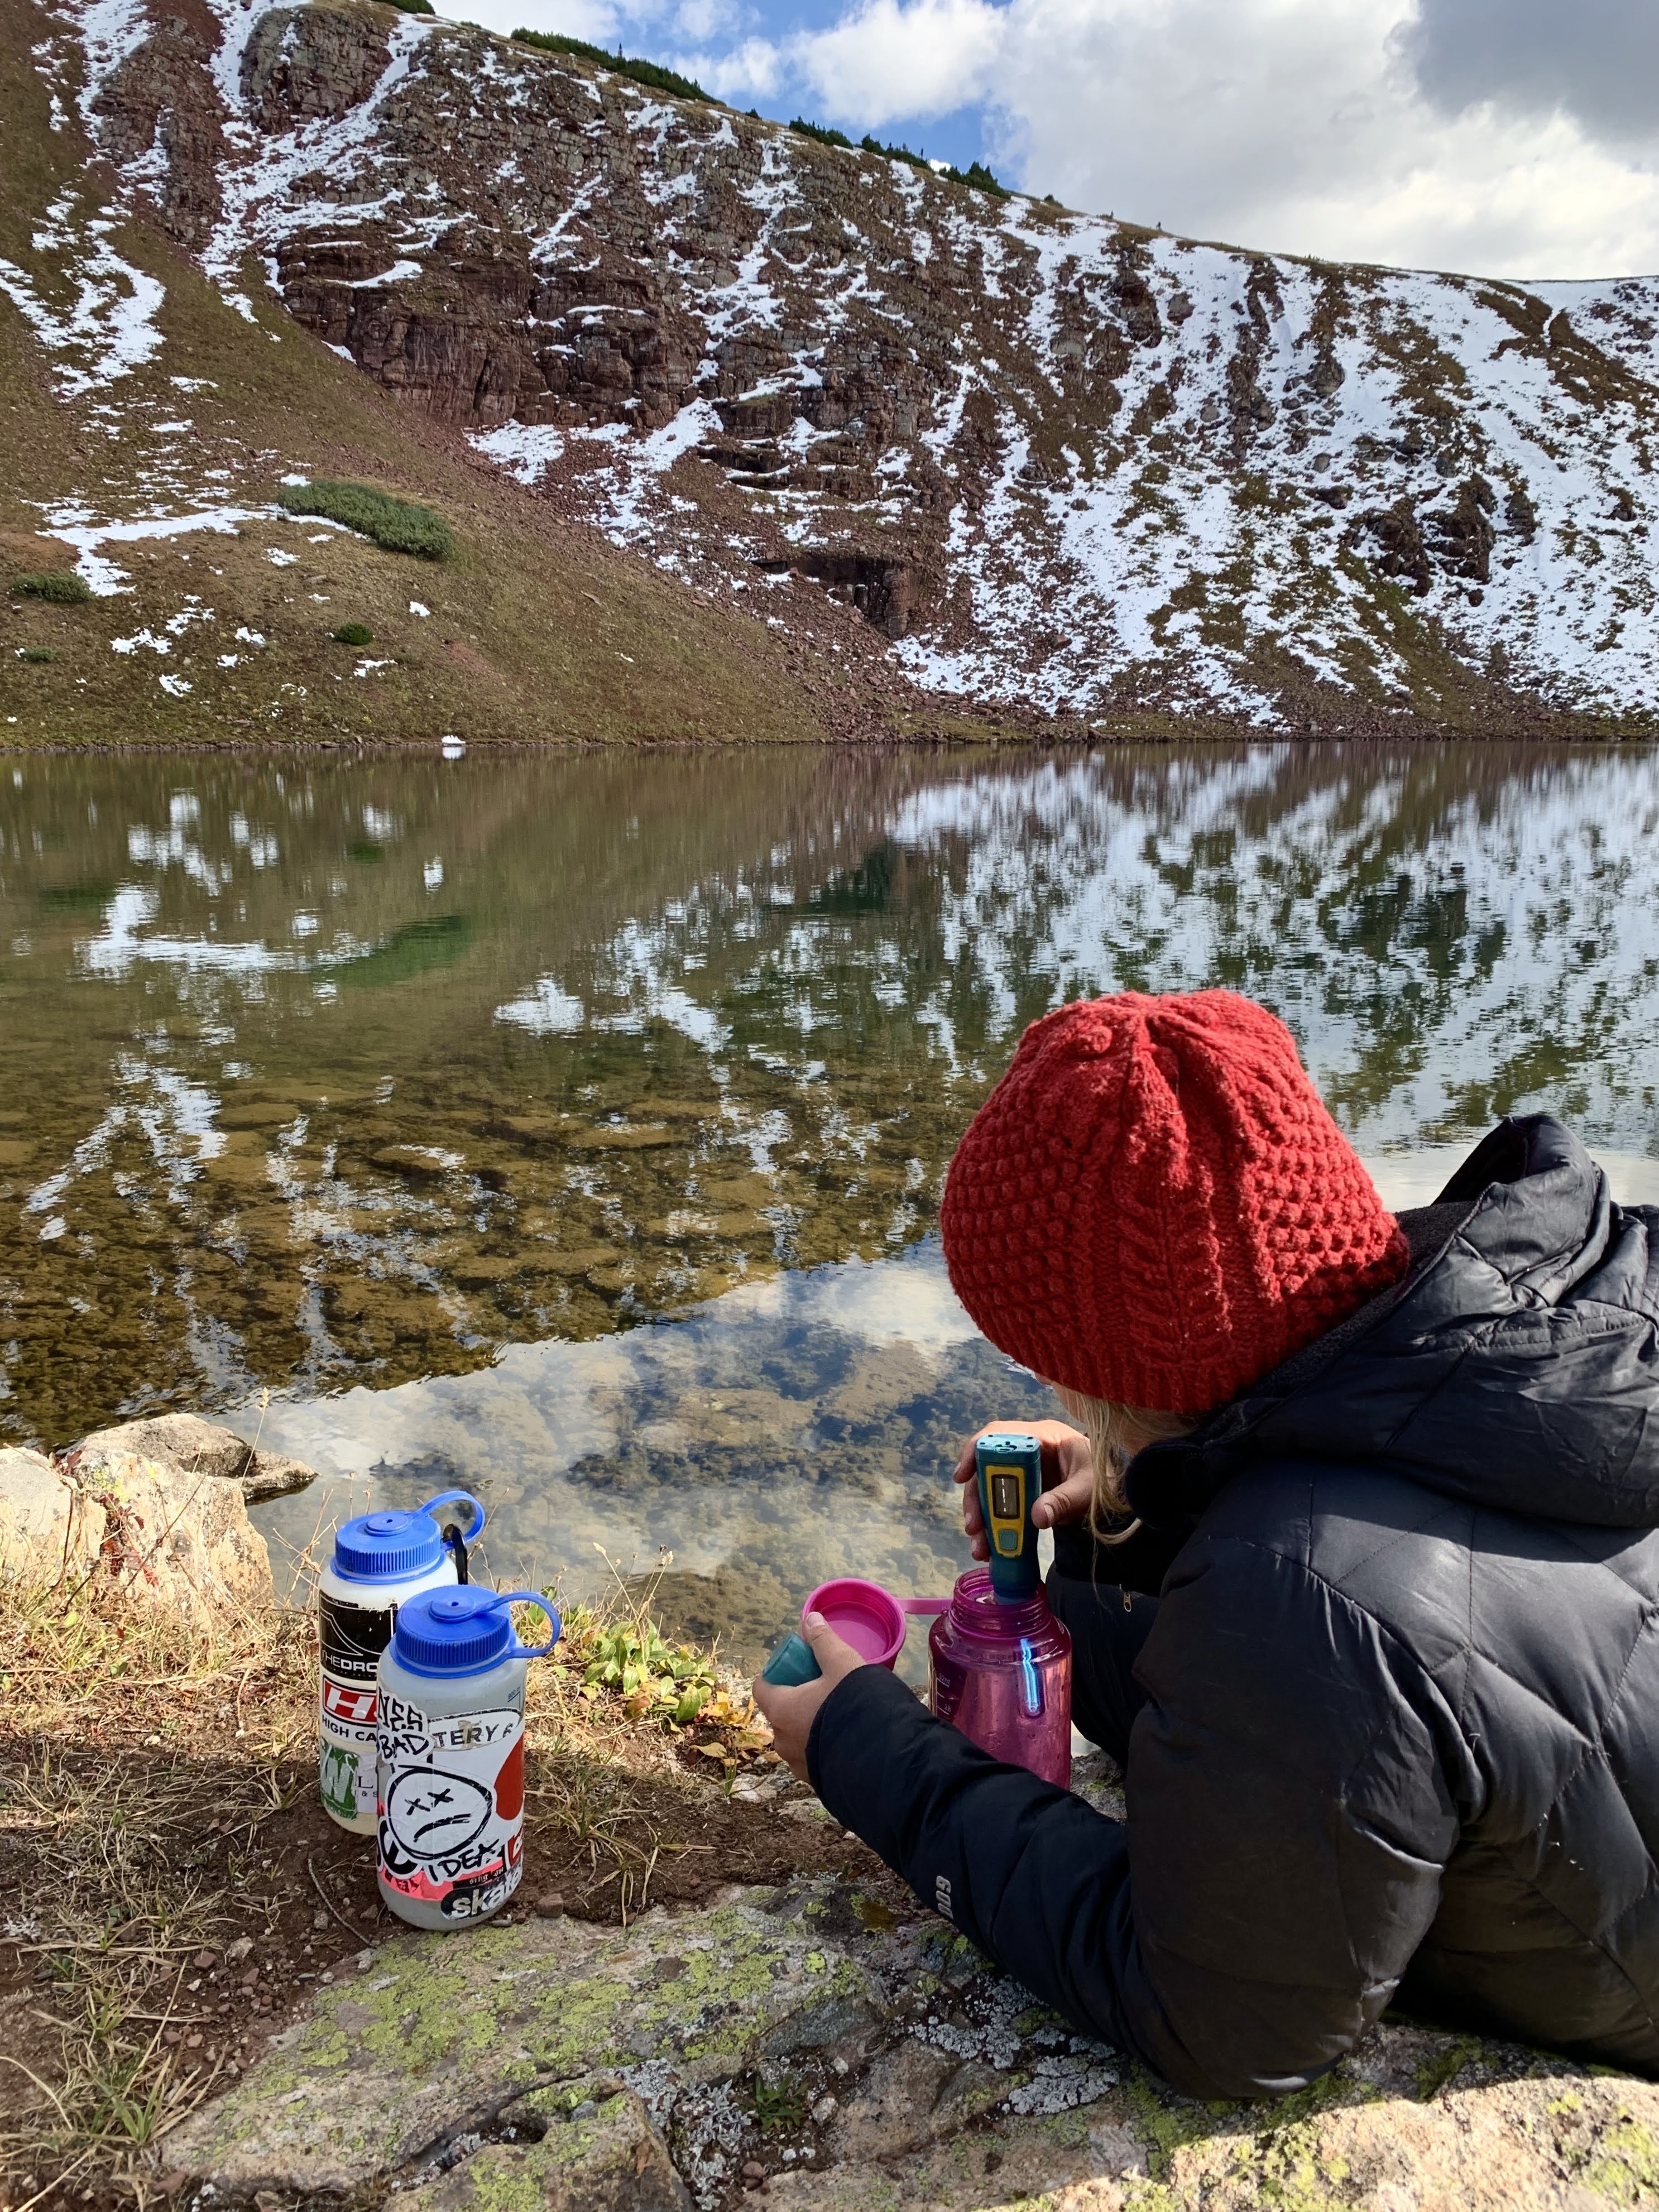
(509, 1783)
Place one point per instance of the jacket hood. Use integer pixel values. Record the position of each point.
(1516, 1365)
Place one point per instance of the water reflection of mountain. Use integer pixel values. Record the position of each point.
(349, 1070)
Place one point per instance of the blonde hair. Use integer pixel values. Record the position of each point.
(1116, 1433)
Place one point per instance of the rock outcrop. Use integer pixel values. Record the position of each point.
(1056, 459)
(815, 2044)
(190, 1446)
(153, 1513)
(49, 1534)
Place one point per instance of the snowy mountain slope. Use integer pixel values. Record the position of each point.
(1056, 459)
(151, 413)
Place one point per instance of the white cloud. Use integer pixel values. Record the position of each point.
(1298, 125)
(882, 61)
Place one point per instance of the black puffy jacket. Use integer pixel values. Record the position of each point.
(1401, 1728)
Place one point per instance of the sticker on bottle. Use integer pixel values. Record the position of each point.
(348, 1782)
(348, 1752)
(353, 1637)
(450, 1821)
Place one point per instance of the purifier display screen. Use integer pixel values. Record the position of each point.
(1004, 1494)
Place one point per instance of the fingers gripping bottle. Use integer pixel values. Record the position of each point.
(999, 1664)
(450, 1824)
(379, 1561)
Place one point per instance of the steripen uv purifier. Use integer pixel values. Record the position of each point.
(1009, 1470)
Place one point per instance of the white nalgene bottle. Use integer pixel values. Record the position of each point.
(379, 1561)
(450, 1846)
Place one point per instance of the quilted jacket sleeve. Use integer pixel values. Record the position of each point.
(1289, 1823)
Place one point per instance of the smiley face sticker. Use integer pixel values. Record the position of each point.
(435, 1815)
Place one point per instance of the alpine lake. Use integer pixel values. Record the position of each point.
(572, 1127)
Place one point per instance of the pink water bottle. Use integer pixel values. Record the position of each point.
(1000, 1662)
(1001, 1673)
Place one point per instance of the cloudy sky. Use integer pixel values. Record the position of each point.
(1510, 137)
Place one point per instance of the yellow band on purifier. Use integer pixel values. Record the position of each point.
(1004, 1494)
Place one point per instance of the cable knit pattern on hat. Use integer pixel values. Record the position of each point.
(1154, 1207)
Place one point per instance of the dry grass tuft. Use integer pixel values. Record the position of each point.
(127, 1840)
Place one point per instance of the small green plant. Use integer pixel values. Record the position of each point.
(414, 7)
(779, 2104)
(398, 525)
(818, 131)
(61, 586)
(36, 653)
(642, 72)
(633, 1659)
(352, 633)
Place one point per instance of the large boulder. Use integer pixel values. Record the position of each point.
(153, 1512)
(49, 1536)
(172, 1538)
(848, 2054)
(192, 1446)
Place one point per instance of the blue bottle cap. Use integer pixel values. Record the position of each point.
(386, 1547)
(465, 1631)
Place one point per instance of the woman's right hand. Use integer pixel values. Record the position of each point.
(1068, 1478)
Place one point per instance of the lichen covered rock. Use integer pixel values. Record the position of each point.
(852, 2058)
(187, 1444)
(169, 1538)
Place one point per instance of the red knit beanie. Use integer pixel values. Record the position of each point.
(1153, 1205)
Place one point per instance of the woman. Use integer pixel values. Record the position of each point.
(1355, 1536)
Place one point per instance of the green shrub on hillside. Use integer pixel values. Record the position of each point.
(976, 175)
(61, 586)
(36, 653)
(642, 72)
(893, 153)
(822, 133)
(414, 7)
(352, 633)
(397, 524)
(980, 179)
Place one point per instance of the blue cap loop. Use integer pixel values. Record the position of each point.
(392, 1545)
(474, 1526)
(464, 1631)
(535, 1598)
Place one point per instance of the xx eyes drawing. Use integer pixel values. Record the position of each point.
(433, 1814)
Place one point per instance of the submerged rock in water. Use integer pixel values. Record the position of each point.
(814, 2041)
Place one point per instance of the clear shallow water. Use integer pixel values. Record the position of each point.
(575, 1127)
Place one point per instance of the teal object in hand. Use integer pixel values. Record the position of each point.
(792, 1663)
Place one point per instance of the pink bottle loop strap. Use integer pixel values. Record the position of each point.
(925, 1604)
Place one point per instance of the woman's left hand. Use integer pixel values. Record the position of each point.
(793, 1710)
(1068, 1479)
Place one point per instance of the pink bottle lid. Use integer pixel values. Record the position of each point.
(863, 1615)
(866, 1616)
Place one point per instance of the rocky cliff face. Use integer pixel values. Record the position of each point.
(1053, 458)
